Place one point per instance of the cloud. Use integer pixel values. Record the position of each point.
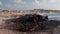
(35, 4)
(8, 6)
(22, 5)
(1, 3)
(54, 1)
(17, 1)
(48, 4)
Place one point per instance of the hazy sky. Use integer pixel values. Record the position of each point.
(29, 4)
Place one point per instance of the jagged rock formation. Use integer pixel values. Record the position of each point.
(31, 22)
(27, 22)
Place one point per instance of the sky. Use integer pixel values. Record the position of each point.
(29, 4)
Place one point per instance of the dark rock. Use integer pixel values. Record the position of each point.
(29, 22)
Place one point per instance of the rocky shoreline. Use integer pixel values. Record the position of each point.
(48, 26)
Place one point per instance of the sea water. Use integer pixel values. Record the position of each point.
(52, 15)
